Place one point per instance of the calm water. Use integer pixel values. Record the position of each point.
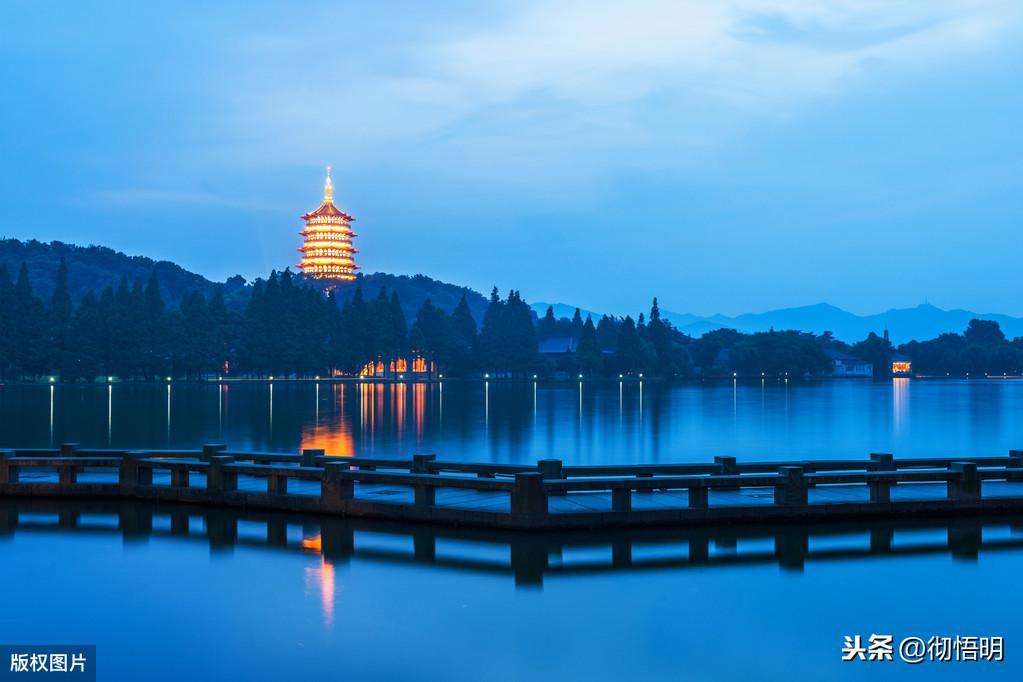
(213, 594)
(502, 422)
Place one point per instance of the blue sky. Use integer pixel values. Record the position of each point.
(727, 156)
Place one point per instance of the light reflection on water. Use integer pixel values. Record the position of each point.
(583, 422)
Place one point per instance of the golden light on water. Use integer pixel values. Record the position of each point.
(320, 578)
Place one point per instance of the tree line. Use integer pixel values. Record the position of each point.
(288, 328)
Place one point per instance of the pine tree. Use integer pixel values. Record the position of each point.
(7, 322)
(464, 339)
(61, 313)
(588, 354)
(548, 327)
(29, 337)
(577, 324)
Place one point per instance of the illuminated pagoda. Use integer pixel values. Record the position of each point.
(328, 252)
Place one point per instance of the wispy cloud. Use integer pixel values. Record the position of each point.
(578, 76)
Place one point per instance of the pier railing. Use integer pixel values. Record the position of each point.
(549, 494)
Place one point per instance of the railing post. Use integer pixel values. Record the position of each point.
(726, 467)
(68, 449)
(131, 473)
(277, 484)
(211, 449)
(882, 461)
(644, 490)
(179, 477)
(8, 473)
(621, 499)
(529, 496)
(309, 456)
(333, 488)
(219, 481)
(791, 491)
(551, 469)
(67, 474)
(421, 463)
(425, 494)
(966, 483)
(1016, 459)
(698, 496)
(881, 491)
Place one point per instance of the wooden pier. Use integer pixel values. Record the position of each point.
(550, 495)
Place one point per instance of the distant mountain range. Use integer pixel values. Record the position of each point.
(904, 324)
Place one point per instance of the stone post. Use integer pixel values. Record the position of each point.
(425, 494)
(277, 484)
(621, 499)
(8, 473)
(550, 469)
(67, 474)
(219, 481)
(309, 456)
(180, 477)
(698, 496)
(965, 485)
(68, 449)
(529, 496)
(1015, 459)
(131, 473)
(882, 461)
(334, 489)
(791, 491)
(727, 467)
(421, 463)
(211, 449)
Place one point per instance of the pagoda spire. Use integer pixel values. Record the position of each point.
(328, 189)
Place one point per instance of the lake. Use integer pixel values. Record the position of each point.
(171, 592)
(585, 422)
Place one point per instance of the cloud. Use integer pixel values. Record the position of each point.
(546, 88)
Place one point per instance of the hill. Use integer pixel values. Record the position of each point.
(92, 268)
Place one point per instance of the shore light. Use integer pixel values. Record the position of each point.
(440, 376)
(487, 375)
(52, 379)
(109, 379)
(168, 378)
(580, 376)
(534, 376)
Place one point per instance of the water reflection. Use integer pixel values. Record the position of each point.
(900, 402)
(583, 422)
(527, 560)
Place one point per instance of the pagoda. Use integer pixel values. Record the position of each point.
(328, 252)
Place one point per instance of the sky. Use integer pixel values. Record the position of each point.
(727, 156)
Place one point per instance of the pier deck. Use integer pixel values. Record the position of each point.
(550, 495)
